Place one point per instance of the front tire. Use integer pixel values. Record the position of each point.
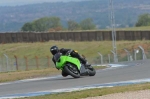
(72, 70)
(64, 74)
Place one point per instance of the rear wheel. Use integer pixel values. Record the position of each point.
(72, 70)
(92, 71)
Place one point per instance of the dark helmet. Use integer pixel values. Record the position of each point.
(54, 50)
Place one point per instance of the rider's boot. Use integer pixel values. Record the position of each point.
(84, 61)
(87, 65)
(87, 72)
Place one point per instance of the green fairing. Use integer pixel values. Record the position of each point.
(64, 59)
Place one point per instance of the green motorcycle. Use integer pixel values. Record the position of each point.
(72, 66)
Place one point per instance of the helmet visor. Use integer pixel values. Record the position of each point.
(54, 52)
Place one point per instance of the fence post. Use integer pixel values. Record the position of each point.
(109, 58)
(135, 52)
(16, 63)
(129, 56)
(37, 62)
(6, 62)
(26, 60)
(101, 57)
(48, 61)
(143, 52)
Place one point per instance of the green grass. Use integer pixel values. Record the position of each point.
(136, 28)
(142, 28)
(19, 75)
(89, 49)
(42, 49)
(94, 92)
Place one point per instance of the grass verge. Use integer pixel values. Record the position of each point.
(13, 76)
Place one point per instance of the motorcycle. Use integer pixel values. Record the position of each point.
(72, 66)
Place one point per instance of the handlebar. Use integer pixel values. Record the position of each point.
(68, 53)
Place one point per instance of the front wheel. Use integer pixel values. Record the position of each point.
(72, 70)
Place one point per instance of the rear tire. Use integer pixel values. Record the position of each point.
(72, 70)
(92, 71)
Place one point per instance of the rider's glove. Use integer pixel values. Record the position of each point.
(76, 51)
(68, 52)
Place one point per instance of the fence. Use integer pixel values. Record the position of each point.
(25, 63)
(22, 64)
(72, 36)
(136, 54)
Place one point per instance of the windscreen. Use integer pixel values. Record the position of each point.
(57, 57)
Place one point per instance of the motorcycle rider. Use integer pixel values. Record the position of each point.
(55, 49)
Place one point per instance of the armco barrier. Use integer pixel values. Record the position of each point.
(72, 36)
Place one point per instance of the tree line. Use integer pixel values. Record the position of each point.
(143, 20)
(54, 24)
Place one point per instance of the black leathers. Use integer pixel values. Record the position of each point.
(73, 54)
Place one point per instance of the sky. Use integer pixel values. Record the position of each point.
(24, 2)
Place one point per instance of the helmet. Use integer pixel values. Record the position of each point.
(54, 50)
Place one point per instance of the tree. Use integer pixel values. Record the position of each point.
(72, 25)
(143, 20)
(27, 27)
(42, 24)
(87, 24)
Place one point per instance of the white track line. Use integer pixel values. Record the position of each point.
(113, 84)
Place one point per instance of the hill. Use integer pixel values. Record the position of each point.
(12, 18)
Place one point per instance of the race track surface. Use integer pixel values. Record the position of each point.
(131, 71)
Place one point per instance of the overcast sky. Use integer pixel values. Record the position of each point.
(22, 2)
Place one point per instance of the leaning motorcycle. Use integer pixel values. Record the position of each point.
(72, 66)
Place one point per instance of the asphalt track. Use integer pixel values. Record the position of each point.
(128, 71)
